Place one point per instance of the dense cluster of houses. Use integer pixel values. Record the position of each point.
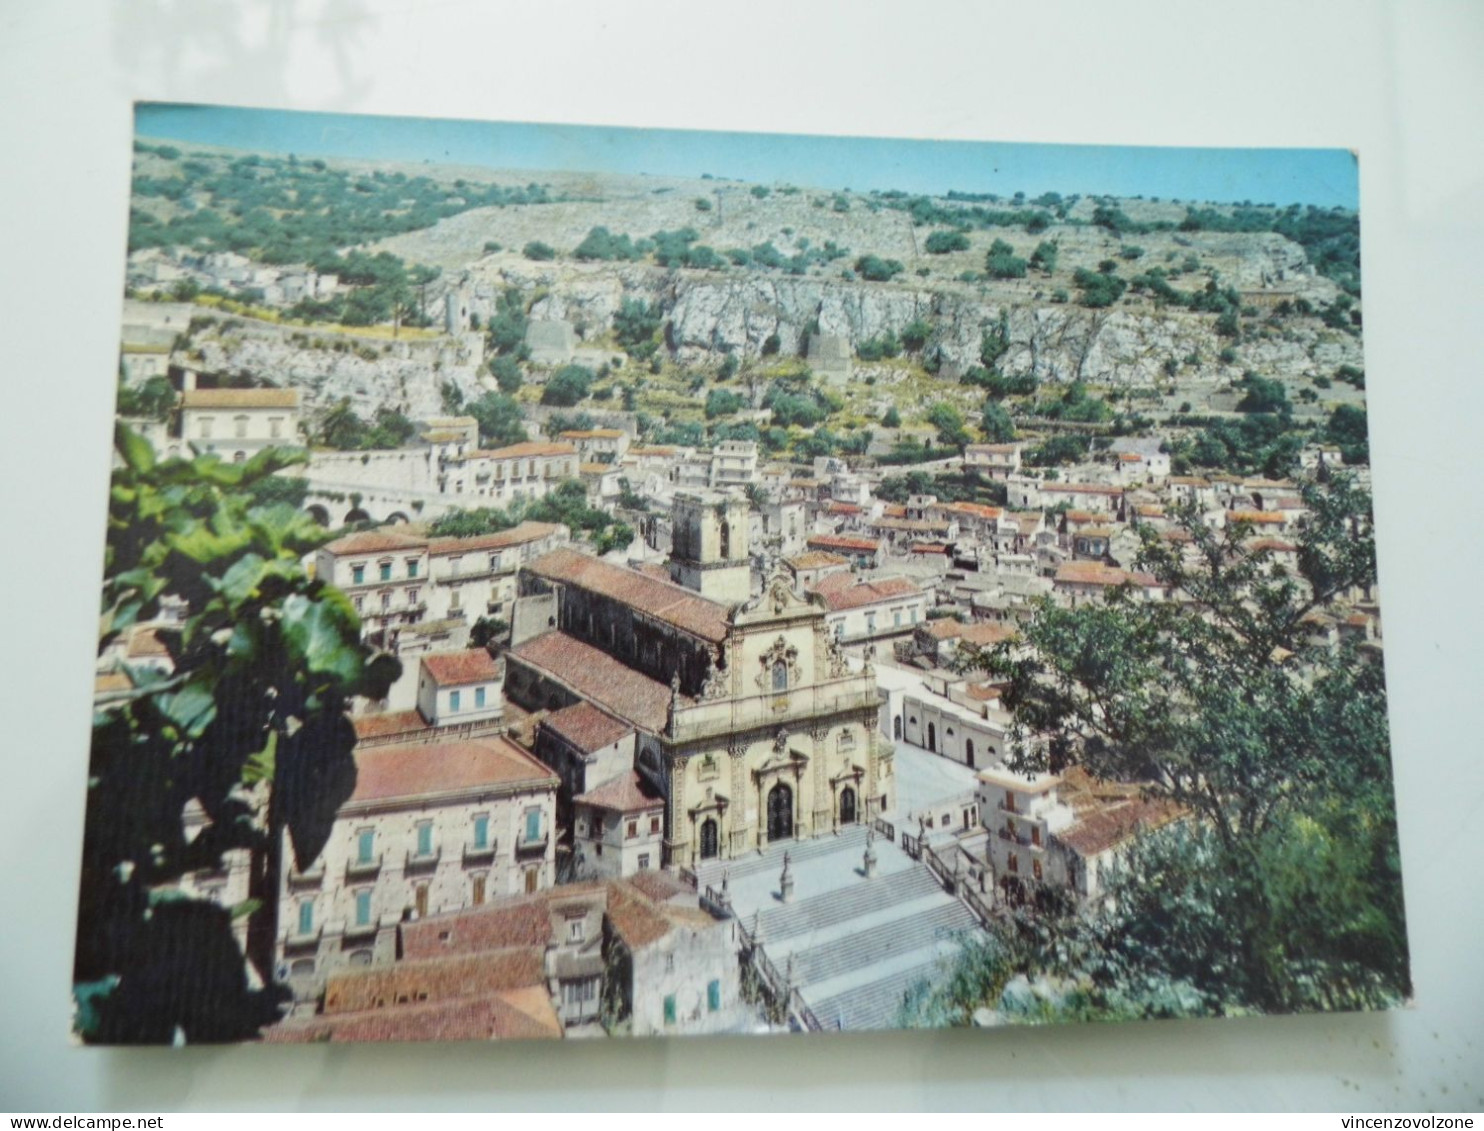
(518, 857)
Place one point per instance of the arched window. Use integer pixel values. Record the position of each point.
(780, 675)
(969, 751)
(726, 540)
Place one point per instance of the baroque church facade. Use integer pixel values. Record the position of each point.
(748, 719)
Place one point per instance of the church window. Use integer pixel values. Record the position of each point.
(780, 675)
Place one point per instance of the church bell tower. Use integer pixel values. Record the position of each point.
(708, 546)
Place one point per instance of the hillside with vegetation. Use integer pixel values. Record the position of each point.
(1061, 318)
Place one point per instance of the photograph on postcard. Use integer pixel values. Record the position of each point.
(587, 582)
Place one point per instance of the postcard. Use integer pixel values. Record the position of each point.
(586, 582)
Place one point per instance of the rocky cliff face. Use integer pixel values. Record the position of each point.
(709, 315)
(407, 378)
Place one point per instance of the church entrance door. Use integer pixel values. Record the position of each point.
(780, 812)
(847, 806)
(708, 839)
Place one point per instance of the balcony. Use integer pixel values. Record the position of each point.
(312, 878)
(474, 854)
(1020, 839)
(359, 869)
(295, 940)
(422, 861)
(537, 847)
(365, 930)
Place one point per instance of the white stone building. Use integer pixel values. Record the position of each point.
(429, 828)
(459, 688)
(869, 611)
(504, 475)
(239, 423)
(618, 828)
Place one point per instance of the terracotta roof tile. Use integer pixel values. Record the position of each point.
(515, 536)
(1257, 518)
(437, 979)
(586, 727)
(239, 398)
(517, 921)
(627, 793)
(514, 1015)
(375, 542)
(640, 920)
(816, 559)
(1096, 573)
(843, 542)
(530, 448)
(982, 634)
(839, 597)
(386, 772)
(598, 678)
(388, 723)
(662, 600)
(452, 669)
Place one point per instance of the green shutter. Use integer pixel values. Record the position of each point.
(425, 840)
(713, 995)
(670, 1009)
(363, 908)
(306, 917)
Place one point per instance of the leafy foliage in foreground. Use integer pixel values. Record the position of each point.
(251, 724)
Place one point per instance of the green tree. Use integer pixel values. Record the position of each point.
(876, 269)
(340, 427)
(1100, 288)
(996, 423)
(949, 422)
(637, 327)
(891, 418)
(507, 374)
(916, 333)
(1283, 891)
(722, 402)
(251, 723)
(507, 325)
(568, 386)
(1347, 428)
(154, 398)
(500, 421)
(1263, 394)
(994, 342)
(941, 243)
(1045, 256)
(538, 251)
(1002, 263)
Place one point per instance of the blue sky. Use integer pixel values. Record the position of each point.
(1324, 177)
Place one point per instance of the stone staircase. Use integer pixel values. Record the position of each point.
(854, 947)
